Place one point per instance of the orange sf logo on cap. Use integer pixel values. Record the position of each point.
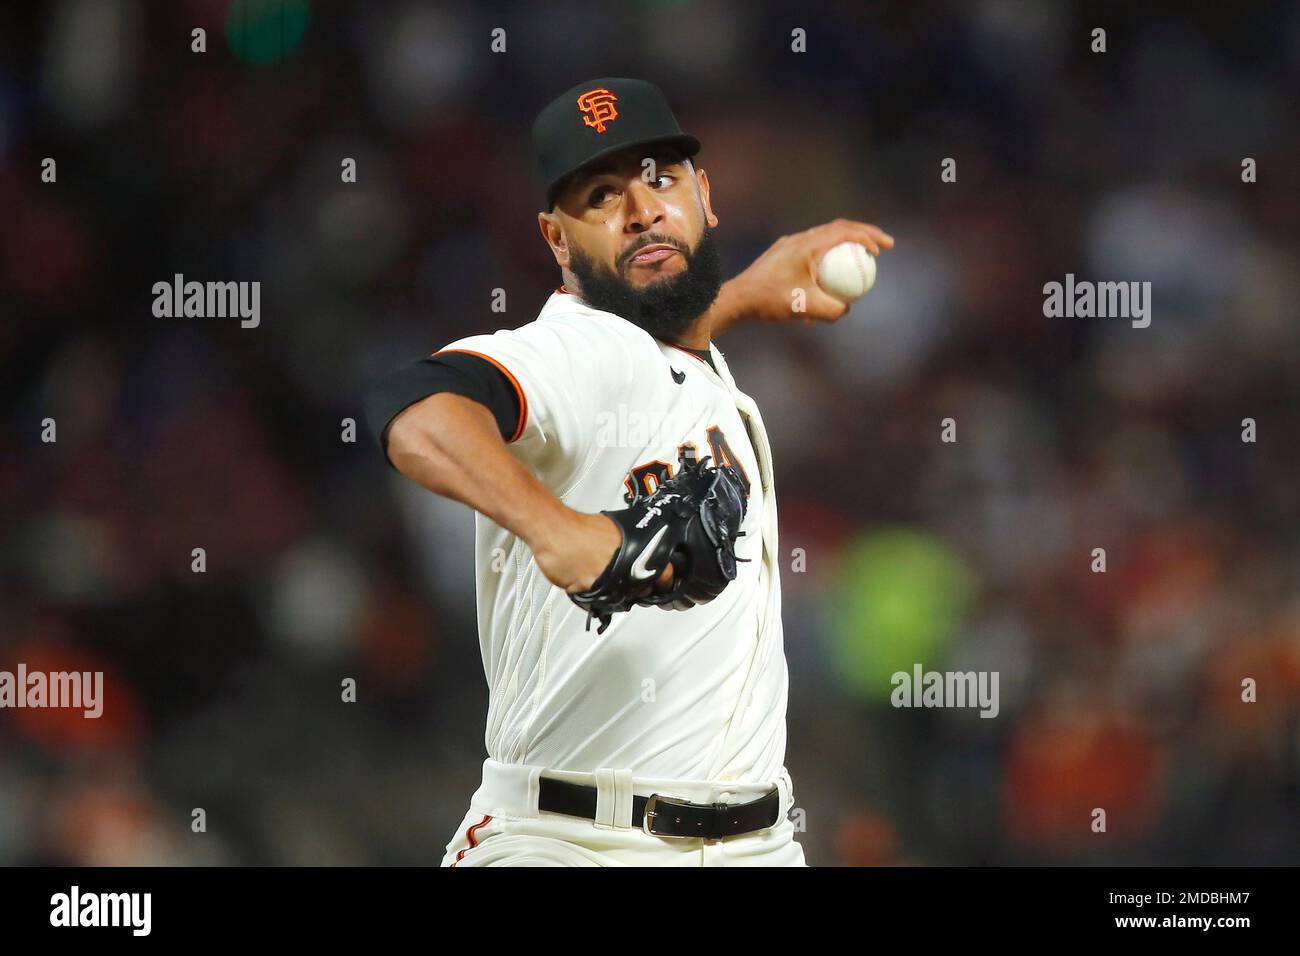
(598, 105)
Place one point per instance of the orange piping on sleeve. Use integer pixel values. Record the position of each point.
(523, 399)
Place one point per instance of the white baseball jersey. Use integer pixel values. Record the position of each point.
(697, 694)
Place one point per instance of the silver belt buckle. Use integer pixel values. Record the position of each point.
(651, 811)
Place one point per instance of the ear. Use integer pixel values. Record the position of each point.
(553, 233)
(702, 178)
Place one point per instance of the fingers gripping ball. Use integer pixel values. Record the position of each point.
(847, 271)
(691, 521)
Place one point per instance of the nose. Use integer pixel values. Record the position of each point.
(644, 208)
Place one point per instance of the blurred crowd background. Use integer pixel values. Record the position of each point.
(1119, 690)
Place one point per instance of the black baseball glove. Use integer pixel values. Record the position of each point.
(692, 520)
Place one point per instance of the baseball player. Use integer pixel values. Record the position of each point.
(620, 478)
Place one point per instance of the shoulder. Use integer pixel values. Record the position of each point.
(573, 316)
(566, 333)
(570, 357)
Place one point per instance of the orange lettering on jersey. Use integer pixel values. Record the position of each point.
(646, 478)
(598, 105)
(723, 455)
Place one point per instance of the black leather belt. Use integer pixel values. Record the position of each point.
(666, 816)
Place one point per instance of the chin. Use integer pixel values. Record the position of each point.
(653, 276)
(650, 279)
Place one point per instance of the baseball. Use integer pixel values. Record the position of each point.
(847, 271)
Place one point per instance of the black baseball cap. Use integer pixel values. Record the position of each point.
(597, 118)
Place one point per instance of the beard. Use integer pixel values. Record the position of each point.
(663, 307)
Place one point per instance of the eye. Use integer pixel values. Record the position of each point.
(599, 195)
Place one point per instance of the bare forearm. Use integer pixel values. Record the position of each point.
(765, 292)
(450, 445)
(729, 308)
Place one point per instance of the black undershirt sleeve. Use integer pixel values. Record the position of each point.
(457, 372)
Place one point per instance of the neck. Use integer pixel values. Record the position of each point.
(697, 336)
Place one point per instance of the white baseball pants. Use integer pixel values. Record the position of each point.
(504, 827)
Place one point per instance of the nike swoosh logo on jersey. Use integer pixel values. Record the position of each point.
(639, 570)
(678, 377)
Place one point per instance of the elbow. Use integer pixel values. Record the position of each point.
(406, 442)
